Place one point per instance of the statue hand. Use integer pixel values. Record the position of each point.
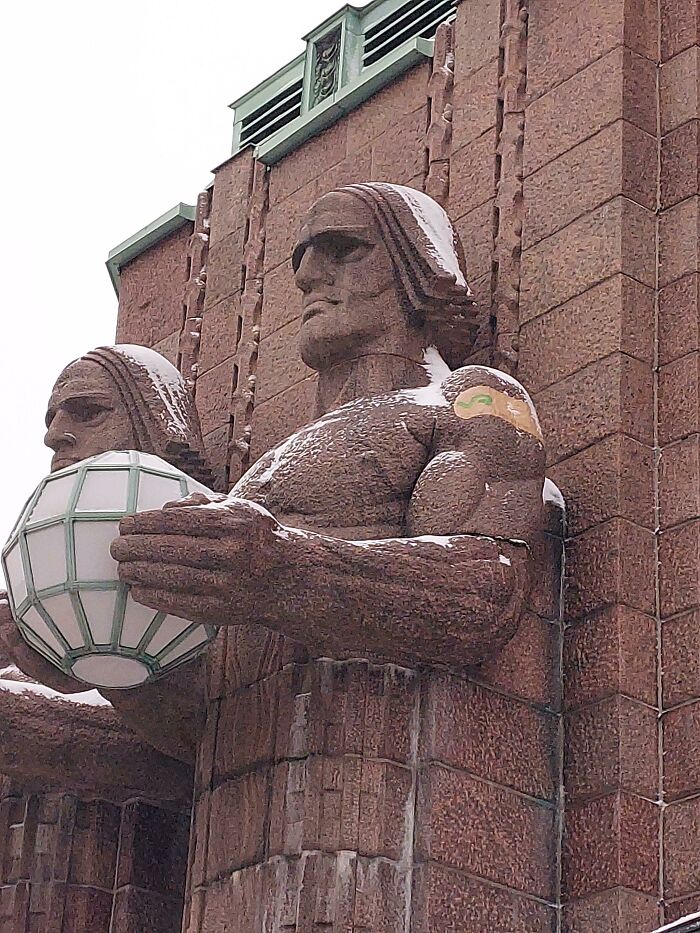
(196, 498)
(29, 661)
(199, 562)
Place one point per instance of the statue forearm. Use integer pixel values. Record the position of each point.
(49, 739)
(169, 713)
(422, 600)
(427, 600)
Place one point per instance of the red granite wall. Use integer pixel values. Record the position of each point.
(73, 865)
(587, 314)
(573, 178)
(679, 470)
(151, 295)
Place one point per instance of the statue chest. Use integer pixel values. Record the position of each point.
(353, 469)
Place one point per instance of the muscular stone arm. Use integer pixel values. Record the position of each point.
(445, 601)
(49, 738)
(169, 713)
(448, 594)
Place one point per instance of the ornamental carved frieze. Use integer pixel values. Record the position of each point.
(326, 75)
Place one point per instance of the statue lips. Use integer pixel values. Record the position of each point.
(316, 305)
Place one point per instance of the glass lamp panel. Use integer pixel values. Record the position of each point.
(168, 631)
(155, 491)
(109, 670)
(53, 501)
(113, 457)
(47, 555)
(24, 514)
(104, 491)
(137, 619)
(16, 581)
(36, 623)
(155, 463)
(60, 608)
(197, 638)
(92, 558)
(32, 639)
(98, 606)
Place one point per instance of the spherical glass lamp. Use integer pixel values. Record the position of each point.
(63, 584)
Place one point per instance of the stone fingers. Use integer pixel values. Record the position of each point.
(177, 549)
(194, 521)
(209, 610)
(175, 579)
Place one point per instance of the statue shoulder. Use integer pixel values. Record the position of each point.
(489, 410)
(491, 380)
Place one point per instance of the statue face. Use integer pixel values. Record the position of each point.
(85, 416)
(344, 270)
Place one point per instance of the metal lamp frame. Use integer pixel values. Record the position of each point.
(156, 663)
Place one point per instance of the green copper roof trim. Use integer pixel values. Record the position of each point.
(369, 81)
(149, 236)
(282, 113)
(363, 48)
(243, 105)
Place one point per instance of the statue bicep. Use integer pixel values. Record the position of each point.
(446, 495)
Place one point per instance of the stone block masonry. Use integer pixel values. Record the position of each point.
(71, 865)
(563, 140)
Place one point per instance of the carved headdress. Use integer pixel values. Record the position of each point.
(162, 412)
(428, 260)
(424, 246)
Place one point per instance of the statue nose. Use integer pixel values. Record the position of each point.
(57, 435)
(315, 268)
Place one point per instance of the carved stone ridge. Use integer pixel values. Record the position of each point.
(509, 187)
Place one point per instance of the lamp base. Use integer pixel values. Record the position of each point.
(110, 670)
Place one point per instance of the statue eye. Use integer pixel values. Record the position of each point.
(349, 248)
(87, 412)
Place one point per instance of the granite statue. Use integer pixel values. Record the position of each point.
(122, 397)
(396, 526)
(357, 569)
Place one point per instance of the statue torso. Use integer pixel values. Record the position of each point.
(351, 472)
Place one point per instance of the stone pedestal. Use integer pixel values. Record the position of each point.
(72, 864)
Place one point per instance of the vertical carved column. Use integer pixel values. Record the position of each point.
(508, 208)
(67, 806)
(588, 266)
(246, 360)
(439, 140)
(195, 289)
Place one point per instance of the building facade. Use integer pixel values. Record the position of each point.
(562, 139)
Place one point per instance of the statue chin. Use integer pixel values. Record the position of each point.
(320, 351)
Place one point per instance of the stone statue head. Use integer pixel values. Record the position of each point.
(380, 265)
(124, 397)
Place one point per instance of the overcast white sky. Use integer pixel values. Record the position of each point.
(111, 114)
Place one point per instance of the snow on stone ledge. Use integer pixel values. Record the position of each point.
(679, 925)
(87, 698)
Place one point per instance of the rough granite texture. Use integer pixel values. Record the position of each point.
(598, 244)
